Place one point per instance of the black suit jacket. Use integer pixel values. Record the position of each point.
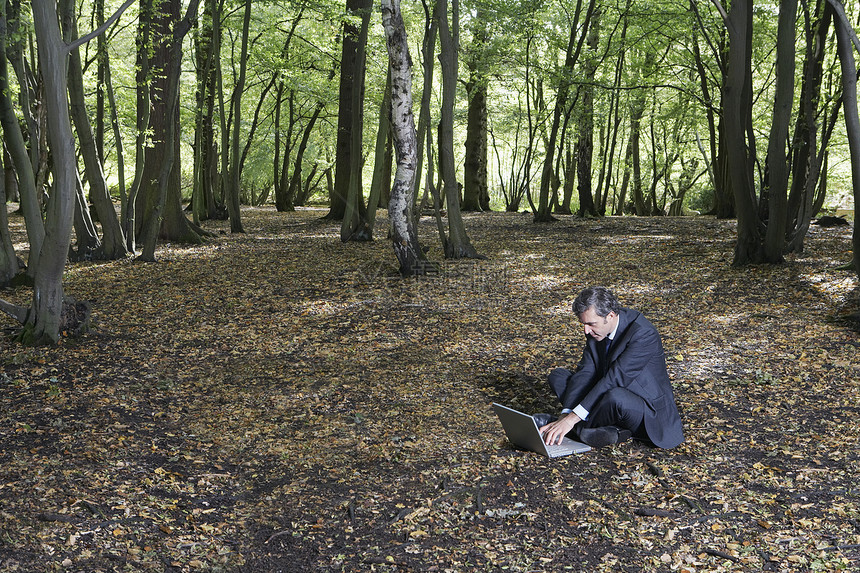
(635, 361)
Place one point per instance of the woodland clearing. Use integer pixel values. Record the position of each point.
(280, 401)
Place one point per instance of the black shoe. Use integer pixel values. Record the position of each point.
(603, 436)
(544, 419)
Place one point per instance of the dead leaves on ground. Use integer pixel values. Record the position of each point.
(280, 401)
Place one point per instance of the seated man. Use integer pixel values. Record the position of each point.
(620, 387)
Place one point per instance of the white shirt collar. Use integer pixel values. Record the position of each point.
(614, 330)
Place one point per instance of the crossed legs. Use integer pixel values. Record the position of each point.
(618, 407)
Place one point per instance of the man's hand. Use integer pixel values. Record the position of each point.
(554, 431)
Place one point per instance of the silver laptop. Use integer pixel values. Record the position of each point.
(522, 431)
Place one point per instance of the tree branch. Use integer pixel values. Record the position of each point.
(721, 10)
(839, 10)
(100, 30)
(19, 313)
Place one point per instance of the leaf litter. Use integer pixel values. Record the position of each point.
(280, 401)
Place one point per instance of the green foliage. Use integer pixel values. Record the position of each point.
(516, 47)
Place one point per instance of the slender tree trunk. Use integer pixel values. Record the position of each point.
(353, 226)
(233, 207)
(8, 260)
(636, 113)
(458, 245)
(120, 150)
(379, 171)
(404, 236)
(87, 242)
(18, 34)
(14, 140)
(569, 181)
(428, 47)
(613, 123)
(296, 179)
(9, 177)
(475, 192)
(585, 142)
(202, 196)
(740, 151)
(112, 246)
(723, 202)
(806, 160)
(543, 210)
(844, 36)
(777, 162)
(144, 76)
(283, 202)
(255, 124)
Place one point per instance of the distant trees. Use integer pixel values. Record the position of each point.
(775, 208)
(737, 109)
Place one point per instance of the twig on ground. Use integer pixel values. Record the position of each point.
(276, 535)
(648, 512)
(721, 554)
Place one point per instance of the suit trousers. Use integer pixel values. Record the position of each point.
(617, 407)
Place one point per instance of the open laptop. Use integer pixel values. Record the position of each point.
(522, 431)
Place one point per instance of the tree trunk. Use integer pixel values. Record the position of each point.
(428, 47)
(807, 158)
(585, 142)
(404, 236)
(844, 33)
(569, 181)
(129, 211)
(296, 180)
(475, 161)
(43, 320)
(458, 245)
(113, 245)
(776, 182)
(543, 211)
(475, 192)
(87, 241)
(164, 189)
(620, 204)
(636, 113)
(159, 200)
(18, 34)
(282, 199)
(613, 123)
(723, 204)
(203, 205)
(102, 64)
(8, 259)
(233, 207)
(737, 109)
(354, 226)
(349, 69)
(120, 152)
(17, 148)
(380, 154)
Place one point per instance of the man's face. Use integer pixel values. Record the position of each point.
(596, 326)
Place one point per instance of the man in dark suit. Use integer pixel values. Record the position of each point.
(620, 387)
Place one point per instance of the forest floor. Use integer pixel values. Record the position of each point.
(280, 401)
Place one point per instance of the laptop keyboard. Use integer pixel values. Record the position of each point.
(553, 450)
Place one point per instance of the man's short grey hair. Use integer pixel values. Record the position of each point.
(601, 299)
